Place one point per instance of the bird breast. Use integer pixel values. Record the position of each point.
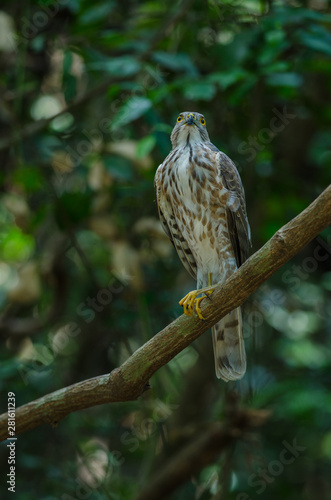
(198, 200)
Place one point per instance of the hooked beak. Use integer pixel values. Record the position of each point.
(190, 120)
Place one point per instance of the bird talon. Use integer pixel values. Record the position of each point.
(197, 307)
(191, 302)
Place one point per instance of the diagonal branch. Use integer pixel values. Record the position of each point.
(129, 380)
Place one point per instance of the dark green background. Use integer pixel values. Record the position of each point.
(86, 273)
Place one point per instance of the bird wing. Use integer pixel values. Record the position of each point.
(238, 225)
(169, 224)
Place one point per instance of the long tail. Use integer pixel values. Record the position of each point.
(229, 349)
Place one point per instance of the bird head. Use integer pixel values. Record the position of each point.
(190, 128)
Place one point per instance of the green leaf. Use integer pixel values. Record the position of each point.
(15, 245)
(119, 66)
(69, 87)
(145, 146)
(29, 178)
(284, 80)
(134, 108)
(113, 39)
(176, 62)
(284, 15)
(303, 352)
(316, 38)
(96, 13)
(69, 80)
(276, 67)
(316, 43)
(226, 79)
(271, 52)
(195, 91)
(67, 61)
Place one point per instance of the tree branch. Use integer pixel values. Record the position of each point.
(129, 380)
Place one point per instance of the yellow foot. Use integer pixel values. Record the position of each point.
(191, 301)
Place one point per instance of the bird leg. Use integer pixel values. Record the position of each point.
(191, 301)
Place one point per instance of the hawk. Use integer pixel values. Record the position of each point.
(201, 205)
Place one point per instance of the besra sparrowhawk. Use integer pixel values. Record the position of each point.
(201, 204)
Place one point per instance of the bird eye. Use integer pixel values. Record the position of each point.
(202, 121)
(179, 119)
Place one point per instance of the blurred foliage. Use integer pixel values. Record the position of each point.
(89, 95)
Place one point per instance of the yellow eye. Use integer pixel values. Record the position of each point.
(179, 119)
(202, 121)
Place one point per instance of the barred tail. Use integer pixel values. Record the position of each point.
(229, 349)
